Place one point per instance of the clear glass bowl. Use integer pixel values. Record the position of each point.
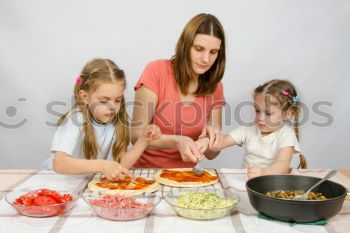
(40, 211)
(123, 214)
(205, 213)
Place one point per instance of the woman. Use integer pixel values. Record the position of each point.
(184, 97)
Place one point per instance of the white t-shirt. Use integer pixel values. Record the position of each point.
(69, 136)
(261, 150)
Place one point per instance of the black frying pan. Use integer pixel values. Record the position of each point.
(293, 210)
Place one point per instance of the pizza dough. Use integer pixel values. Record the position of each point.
(174, 183)
(127, 191)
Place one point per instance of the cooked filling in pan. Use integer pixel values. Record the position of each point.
(292, 193)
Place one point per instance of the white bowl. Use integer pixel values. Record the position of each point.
(194, 208)
(40, 211)
(123, 214)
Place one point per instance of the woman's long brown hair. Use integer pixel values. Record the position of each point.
(200, 24)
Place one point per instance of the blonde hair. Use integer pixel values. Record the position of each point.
(287, 98)
(200, 24)
(93, 74)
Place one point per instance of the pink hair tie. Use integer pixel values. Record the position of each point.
(78, 80)
(285, 93)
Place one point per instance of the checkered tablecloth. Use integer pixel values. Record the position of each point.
(163, 219)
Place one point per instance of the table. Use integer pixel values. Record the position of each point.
(163, 219)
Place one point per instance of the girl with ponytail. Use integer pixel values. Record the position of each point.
(272, 140)
(97, 126)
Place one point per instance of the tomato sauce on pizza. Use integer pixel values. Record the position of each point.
(187, 176)
(138, 183)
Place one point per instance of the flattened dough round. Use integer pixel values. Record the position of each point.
(174, 183)
(94, 188)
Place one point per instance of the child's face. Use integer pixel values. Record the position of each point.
(104, 102)
(269, 117)
(204, 51)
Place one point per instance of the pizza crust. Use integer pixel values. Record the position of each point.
(174, 183)
(94, 188)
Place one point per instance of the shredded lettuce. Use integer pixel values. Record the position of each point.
(203, 205)
(202, 200)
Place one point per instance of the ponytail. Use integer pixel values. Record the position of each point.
(122, 134)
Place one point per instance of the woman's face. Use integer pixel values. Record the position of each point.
(204, 51)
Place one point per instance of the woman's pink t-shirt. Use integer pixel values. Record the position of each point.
(173, 116)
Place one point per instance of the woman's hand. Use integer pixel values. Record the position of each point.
(113, 171)
(188, 150)
(202, 145)
(215, 136)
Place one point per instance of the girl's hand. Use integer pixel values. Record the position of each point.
(254, 171)
(113, 171)
(202, 145)
(188, 150)
(151, 132)
(216, 138)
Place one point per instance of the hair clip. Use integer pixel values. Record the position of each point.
(295, 99)
(78, 80)
(87, 74)
(285, 93)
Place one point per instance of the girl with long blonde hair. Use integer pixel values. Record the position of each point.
(97, 126)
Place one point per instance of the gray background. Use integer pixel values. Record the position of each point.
(44, 45)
